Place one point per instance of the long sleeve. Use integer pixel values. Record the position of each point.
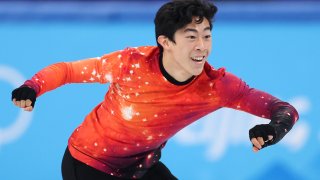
(102, 69)
(282, 115)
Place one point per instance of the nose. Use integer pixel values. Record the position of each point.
(200, 46)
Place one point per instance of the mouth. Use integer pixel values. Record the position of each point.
(198, 58)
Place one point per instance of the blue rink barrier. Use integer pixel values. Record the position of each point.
(103, 11)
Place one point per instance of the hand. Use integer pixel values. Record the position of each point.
(261, 136)
(24, 97)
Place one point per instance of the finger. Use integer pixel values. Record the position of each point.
(255, 149)
(29, 108)
(261, 141)
(270, 137)
(15, 101)
(22, 103)
(256, 143)
(28, 102)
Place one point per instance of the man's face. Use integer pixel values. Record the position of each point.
(191, 48)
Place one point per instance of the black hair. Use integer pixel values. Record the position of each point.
(176, 14)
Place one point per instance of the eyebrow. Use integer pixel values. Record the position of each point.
(194, 30)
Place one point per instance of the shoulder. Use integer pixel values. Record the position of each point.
(129, 52)
(143, 51)
(230, 82)
(141, 55)
(222, 79)
(230, 78)
(139, 59)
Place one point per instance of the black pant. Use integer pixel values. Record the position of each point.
(72, 169)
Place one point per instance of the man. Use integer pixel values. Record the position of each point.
(154, 92)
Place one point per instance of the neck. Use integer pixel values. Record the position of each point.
(174, 69)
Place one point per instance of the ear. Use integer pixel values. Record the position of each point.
(163, 41)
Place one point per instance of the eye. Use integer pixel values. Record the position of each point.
(207, 36)
(191, 37)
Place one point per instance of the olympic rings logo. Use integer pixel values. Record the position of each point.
(23, 119)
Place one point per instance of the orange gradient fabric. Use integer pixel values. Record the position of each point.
(124, 134)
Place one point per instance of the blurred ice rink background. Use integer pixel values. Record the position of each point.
(272, 45)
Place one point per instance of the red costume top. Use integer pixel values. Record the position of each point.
(144, 107)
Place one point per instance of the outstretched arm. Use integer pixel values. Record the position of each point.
(84, 71)
(282, 115)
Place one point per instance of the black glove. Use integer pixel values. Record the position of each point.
(263, 130)
(24, 93)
